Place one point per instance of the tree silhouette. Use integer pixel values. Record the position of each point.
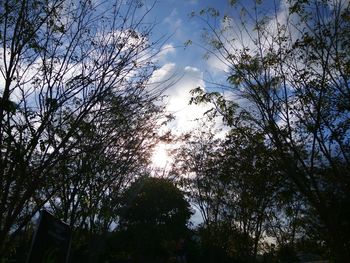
(153, 216)
(60, 60)
(290, 70)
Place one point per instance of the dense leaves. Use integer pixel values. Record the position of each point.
(237, 188)
(153, 217)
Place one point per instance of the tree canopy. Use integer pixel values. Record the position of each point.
(154, 215)
(289, 68)
(77, 115)
(80, 114)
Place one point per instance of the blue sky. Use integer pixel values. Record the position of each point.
(191, 69)
(173, 19)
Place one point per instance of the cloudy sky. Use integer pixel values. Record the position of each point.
(185, 63)
(173, 21)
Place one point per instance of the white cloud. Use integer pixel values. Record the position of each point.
(162, 74)
(174, 23)
(217, 65)
(193, 69)
(238, 33)
(166, 50)
(179, 98)
(180, 82)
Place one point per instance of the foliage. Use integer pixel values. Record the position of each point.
(153, 217)
(291, 73)
(235, 185)
(75, 80)
(116, 149)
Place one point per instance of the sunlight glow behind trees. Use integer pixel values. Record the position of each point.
(161, 158)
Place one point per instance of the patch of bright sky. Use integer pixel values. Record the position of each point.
(174, 22)
(173, 18)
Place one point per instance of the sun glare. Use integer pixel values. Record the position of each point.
(160, 156)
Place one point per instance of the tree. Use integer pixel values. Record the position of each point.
(255, 182)
(116, 149)
(153, 216)
(234, 184)
(196, 167)
(59, 60)
(292, 74)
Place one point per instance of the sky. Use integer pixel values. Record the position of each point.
(174, 22)
(187, 64)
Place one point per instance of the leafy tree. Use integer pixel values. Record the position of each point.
(234, 184)
(292, 74)
(153, 216)
(255, 182)
(196, 166)
(116, 149)
(59, 61)
(223, 243)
